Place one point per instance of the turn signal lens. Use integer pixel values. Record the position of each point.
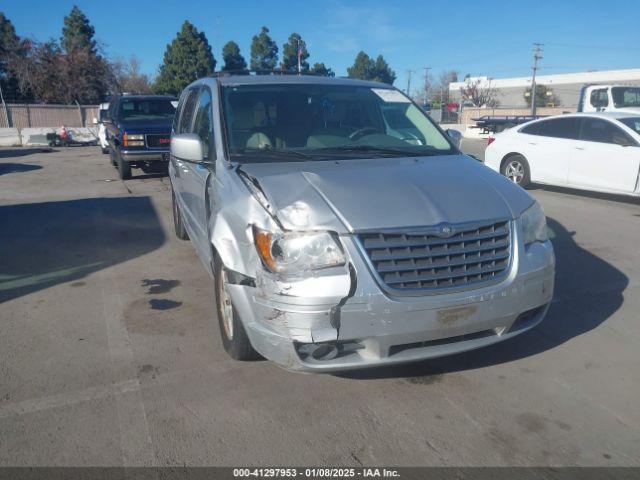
(263, 244)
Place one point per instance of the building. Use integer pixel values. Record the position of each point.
(566, 86)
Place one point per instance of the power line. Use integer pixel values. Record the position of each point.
(590, 47)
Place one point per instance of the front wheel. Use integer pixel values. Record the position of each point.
(234, 337)
(516, 169)
(124, 168)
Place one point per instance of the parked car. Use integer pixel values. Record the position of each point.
(139, 130)
(102, 129)
(336, 242)
(596, 151)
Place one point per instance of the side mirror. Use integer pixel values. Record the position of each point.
(455, 136)
(95, 121)
(187, 147)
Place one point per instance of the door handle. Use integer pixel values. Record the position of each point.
(532, 143)
(579, 148)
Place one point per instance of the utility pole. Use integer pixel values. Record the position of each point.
(537, 55)
(426, 83)
(409, 72)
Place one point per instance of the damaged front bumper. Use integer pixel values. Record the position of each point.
(341, 319)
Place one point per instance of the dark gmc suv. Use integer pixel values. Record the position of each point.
(139, 130)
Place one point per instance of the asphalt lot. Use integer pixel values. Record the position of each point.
(110, 354)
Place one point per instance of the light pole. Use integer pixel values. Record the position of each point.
(537, 55)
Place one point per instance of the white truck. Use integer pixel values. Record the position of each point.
(609, 98)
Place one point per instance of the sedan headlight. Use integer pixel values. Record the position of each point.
(534, 225)
(293, 252)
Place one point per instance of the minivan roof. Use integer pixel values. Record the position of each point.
(297, 79)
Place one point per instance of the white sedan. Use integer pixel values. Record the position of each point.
(596, 151)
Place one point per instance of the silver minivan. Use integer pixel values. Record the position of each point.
(344, 229)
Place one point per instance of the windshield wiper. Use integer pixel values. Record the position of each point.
(374, 149)
(270, 151)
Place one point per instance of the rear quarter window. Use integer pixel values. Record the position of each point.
(531, 129)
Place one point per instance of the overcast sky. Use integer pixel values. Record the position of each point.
(477, 37)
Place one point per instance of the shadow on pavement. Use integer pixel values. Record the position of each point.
(22, 152)
(6, 168)
(611, 197)
(153, 170)
(44, 244)
(588, 291)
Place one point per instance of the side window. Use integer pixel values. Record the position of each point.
(599, 98)
(113, 109)
(531, 129)
(204, 120)
(602, 131)
(560, 128)
(187, 110)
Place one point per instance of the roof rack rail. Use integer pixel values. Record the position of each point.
(248, 71)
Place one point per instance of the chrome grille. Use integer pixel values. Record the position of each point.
(429, 260)
(155, 140)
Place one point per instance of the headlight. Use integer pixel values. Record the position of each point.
(136, 140)
(534, 225)
(291, 252)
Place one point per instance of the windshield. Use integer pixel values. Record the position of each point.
(632, 122)
(146, 109)
(320, 122)
(626, 96)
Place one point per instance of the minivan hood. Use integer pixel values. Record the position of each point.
(356, 195)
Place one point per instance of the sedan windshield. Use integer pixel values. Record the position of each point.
(626, 96)
(303, 122)
(146, 109)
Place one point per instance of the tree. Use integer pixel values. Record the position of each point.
(8, 42)
(479, 93)
(322, 70)
(187, 58)
(78, 32)
(544, 96)
(365, 68)
(233, 60)
(264, 51)
(362, 67)
(45, 76)
(290, 54)
(127, 76)
(441, 87)
(382, 72)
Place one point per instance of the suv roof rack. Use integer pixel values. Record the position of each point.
(249, 71)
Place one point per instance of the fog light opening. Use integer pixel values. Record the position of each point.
(325, 351)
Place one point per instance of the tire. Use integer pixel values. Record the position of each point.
(105, 150)
(124, 169)
(234, 337)
(516, 168)
(178, 224)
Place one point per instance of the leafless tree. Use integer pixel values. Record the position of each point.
(480, 93)
(127, 76)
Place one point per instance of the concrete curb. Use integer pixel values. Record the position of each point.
(10, 137)
(38, 136)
